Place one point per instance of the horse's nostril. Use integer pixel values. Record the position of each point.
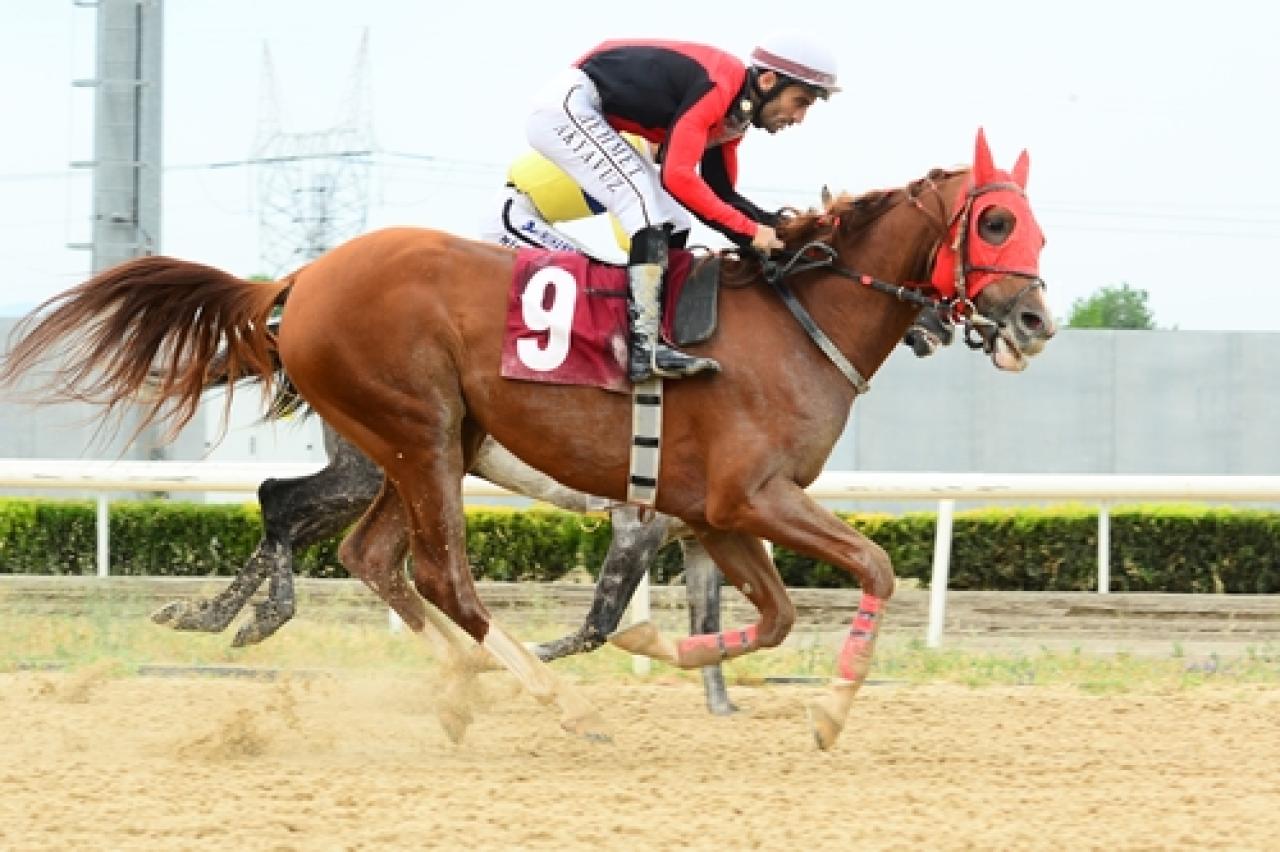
(1031, 321)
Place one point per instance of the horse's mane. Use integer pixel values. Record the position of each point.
(852, 215)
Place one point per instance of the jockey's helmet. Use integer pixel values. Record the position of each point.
(798, 58)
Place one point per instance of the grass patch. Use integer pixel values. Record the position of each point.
(119, 638)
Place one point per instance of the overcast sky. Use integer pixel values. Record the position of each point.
(1153, 127)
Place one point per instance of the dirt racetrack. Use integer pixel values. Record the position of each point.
(96, 762)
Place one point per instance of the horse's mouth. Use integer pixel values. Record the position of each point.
(1006, 354)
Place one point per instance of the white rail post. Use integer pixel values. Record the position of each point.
(1104, 548)
(941, 573)
(104, 536)
(641, 664)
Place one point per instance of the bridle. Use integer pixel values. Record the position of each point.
(981, 331)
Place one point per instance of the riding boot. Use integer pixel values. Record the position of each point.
(649, 355)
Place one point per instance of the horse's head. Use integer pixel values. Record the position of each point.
(989, 264)
(981, 256)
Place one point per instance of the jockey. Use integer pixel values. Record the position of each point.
(537, 195)
(695, 102)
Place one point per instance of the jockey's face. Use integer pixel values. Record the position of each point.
(788, 108)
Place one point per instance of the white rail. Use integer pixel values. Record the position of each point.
(105, 477)
(75, 474)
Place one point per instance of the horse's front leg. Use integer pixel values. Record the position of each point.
(784, 514)
(747, 564)
(702, 587)
(634, 544)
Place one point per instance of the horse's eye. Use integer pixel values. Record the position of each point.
(995, 225)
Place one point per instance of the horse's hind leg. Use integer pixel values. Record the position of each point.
(273, 557)
(296, 513)
(212, 615)
(375, 552)
(300, 513)
(427, 467)
(702, 587)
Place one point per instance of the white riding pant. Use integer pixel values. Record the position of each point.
(568, 128)
(517, 223)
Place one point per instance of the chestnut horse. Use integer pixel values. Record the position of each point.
(395, 337)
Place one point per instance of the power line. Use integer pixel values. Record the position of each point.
(441, 165)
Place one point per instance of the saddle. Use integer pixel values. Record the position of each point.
(694, 319)
(567, 316)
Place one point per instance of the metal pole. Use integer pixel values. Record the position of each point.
(941, 573)
(104, 536)
(1104, 548)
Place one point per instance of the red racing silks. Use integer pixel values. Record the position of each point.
(984, 262)
(856, 653)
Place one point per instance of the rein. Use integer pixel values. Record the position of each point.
(776, 273)
(796, 262)
(980, 330)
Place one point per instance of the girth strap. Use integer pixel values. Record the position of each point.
(646, 442)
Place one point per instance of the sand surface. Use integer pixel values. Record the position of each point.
(90, 761)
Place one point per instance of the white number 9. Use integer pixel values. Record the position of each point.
(556, 320)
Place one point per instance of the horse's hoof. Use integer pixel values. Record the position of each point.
(253, 632)
(579, 716)
(479, 660)
(455, 723)
(169, 613)
(828, 713)
(726, 708)
(590, 727)
(644, 639)
(181, 615)
(826, 730)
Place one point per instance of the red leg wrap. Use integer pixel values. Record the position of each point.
(729, 643)
(855, 656)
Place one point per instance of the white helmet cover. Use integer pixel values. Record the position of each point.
(799, 56)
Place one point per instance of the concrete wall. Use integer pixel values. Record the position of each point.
(1092, 402)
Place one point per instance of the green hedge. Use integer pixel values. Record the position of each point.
(1169, 548)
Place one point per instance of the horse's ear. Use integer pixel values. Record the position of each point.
(1020, 169)
(826, 197)
(983, 166)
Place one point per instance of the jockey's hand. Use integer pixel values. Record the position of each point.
(766, 239)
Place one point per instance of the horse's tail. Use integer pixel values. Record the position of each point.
(149, 331)
(286, 401)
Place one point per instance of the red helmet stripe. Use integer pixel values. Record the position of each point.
(795, 69)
